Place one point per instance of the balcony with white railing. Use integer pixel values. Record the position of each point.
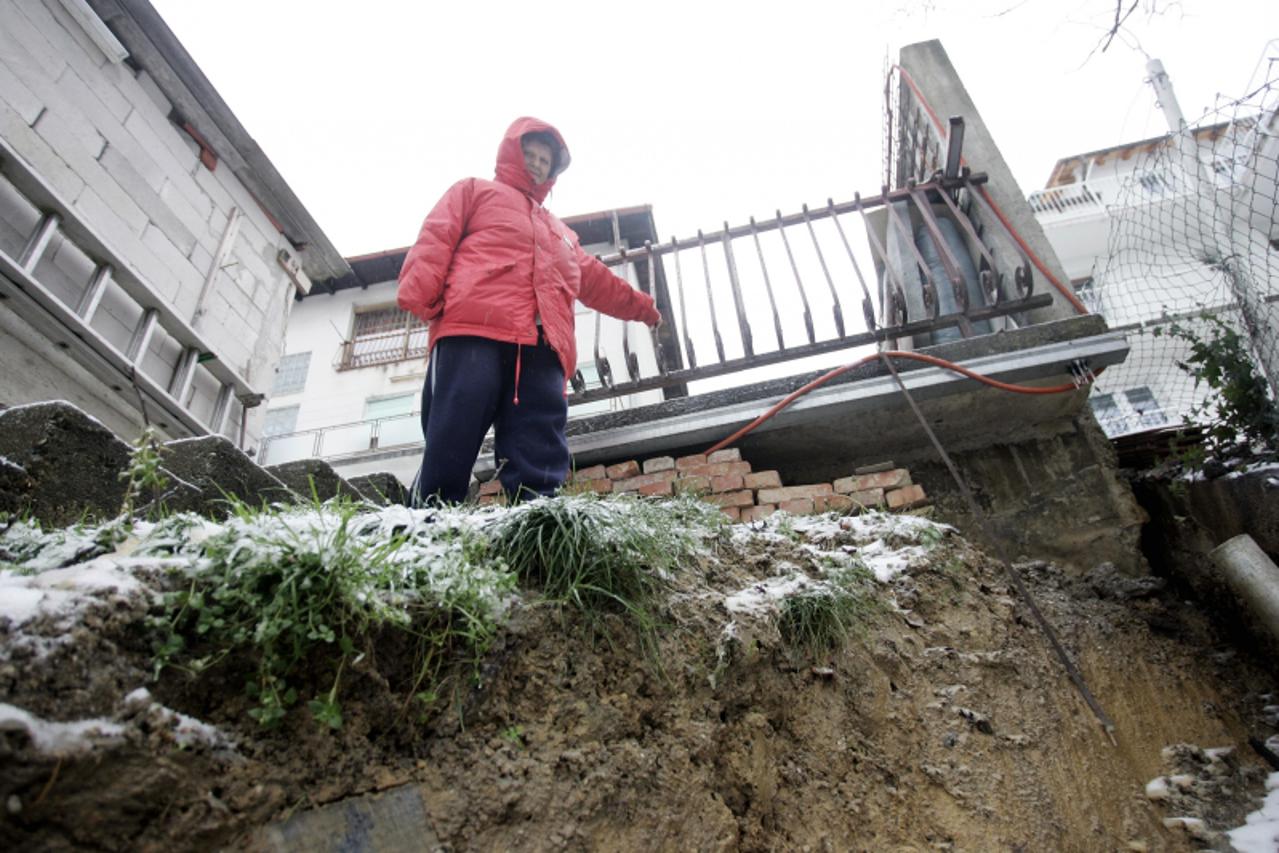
(343, 441)
(1069, 201)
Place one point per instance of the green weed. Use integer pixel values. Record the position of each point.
(822, 616)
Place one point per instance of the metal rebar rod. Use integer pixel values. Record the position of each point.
(710, 295)
(830, 282)
(803, 295)
(683, 314)
(987, 272)
(742, 323)
(768, 285)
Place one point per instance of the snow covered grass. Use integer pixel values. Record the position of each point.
(1260, 832)
(605, 555)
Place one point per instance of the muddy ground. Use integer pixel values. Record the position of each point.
(944, 723)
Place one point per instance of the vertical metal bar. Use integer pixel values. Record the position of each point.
(948, 261)
(658, 353)
(742, 323)
(931, 303)
(39, 241)
(628, 358)
(710, 295)
(1023, 278)
(799, 282)
(375, 433)
(92, 296)
(602, 369)
(868, 309)
(184, 375)
(142, 335)
(898, 294)
(821, 259)
(954, 147)
(317, 444)
(221, 408)
(987, 272)
(683, 314)
(768, 286)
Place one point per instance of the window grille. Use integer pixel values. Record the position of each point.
(290, 376)
(1142, 400)
(1107, 412)
(382, 336)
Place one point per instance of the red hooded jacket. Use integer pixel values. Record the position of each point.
(490, 259)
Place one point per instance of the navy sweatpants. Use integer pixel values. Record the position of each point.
(471, 386)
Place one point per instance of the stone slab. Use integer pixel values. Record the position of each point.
(382, 488)
(312, 479)
(220, 471)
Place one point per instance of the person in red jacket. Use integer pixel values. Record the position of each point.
(495, 274)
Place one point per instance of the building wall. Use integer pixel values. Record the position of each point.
(99, 133)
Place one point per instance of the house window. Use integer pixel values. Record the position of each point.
(1142, 401)
(290, 376)
(280, 421)
(388, 407)
(381, 336)
(1107, 412)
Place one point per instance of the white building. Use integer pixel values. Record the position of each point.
(1161, 231)
(349, 387)
(149, 251)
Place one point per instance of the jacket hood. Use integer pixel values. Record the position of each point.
(510, 158)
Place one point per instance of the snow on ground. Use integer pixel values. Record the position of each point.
(1260, 832)
(187, 731)
(766, 596)
(60, 739)
(61, 592)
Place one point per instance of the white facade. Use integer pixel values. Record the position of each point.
(147, 181)
(358, 406)
(1159, 231)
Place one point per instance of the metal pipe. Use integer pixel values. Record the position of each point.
(948, 260)
(898, 294)
(987, 272)
(931, 302)
(867, 305)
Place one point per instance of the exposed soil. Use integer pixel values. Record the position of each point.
(946, 724)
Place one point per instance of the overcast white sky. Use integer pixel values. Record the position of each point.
(706, 110)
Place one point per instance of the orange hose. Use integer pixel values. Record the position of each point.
(1034, 259)
(912, 356)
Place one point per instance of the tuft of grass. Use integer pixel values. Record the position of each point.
(604, 555)
(299, 590)
(821, 617)
(144, 479)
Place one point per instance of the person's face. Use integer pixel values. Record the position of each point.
(538, 159)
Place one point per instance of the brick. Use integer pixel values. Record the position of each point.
(874, 469)
(623, 470)
(763, 480)
(833, 503)
(690, 461)
(786, 493)
(907, 497)
(595, 472)
(732, 454)
(732, 512)
(632, 484)
(755, 513)
(718, 469)
(692, 485)
(868, 499)
(661, 488)
(492, 487)
(893, 479)
(797, 506)
(727, 483)
(742, 498)
(659, 463)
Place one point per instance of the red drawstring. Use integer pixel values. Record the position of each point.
(519, 350)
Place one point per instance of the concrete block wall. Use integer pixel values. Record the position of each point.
(100, 134)
(726, 480)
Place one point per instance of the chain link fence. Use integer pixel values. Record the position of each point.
(1193, 249)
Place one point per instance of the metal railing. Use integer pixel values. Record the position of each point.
(342, 440)
(383, 348)
(1070, 199)
(788, 287)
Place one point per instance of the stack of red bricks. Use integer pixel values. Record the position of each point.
(725, 479)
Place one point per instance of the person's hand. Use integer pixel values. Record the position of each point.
(653, 319)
